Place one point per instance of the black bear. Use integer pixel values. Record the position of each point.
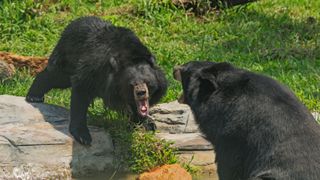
(98, 59)
(259, 128)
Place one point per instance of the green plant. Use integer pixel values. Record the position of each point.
(147, 152)
(194, 170)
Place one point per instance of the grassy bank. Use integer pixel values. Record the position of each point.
(279, 38)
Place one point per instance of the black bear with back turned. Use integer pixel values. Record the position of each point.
(259, 128)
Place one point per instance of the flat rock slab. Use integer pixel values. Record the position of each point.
(194, 149)
(187, 141)
(34, 142)
(203, 159)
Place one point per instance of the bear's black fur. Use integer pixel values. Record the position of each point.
(98, 59)
(259, 128)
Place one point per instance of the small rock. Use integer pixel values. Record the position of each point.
(174, 117)
(166, 172)
(6, 70)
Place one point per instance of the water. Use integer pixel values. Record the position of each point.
(205, 177)
(110, 176)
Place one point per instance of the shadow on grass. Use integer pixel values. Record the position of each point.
(277, 44)
(266, 37)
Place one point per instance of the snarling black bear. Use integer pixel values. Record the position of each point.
(97, 59)
(259, 128)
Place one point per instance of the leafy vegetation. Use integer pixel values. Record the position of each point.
(148, 152)
(279, 38)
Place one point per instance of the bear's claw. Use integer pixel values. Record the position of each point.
(81, 135)
(34, 99)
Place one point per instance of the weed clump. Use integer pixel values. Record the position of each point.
(148, 152)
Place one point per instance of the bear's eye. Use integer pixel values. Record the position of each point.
(151, 88)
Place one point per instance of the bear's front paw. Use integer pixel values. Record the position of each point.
(81, 135)
(34, 99)
(150, 126)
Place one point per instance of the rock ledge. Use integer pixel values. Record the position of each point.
(35, 143)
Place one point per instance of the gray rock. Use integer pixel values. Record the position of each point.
(198, 158)
(205, 160)
(174, 117)
(6, 70)
(187, 141)
(34, 142)
(175, 122)
(316, 116)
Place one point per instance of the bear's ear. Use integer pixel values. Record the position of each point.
(238, 78)
(210, 73)
(215, 69)
(207, 85)
(208, 79)
(114, 64)
(152, 61)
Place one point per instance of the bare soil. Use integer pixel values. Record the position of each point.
(35, 64)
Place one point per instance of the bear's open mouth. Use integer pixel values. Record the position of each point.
(141, 96)
(143, 107)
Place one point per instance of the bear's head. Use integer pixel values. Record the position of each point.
(140, 84)
(202, 79)
(213, 91)
(145, 85)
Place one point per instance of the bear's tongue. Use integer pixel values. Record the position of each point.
(143, 108)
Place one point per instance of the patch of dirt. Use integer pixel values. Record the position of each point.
(35, 64)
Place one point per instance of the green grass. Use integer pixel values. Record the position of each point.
(279, 38)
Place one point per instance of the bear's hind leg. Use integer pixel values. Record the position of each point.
(44, 82)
